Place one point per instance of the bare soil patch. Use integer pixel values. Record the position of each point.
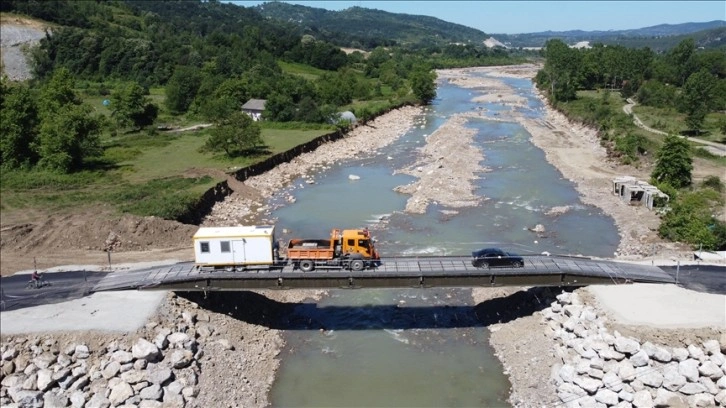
(48, 240)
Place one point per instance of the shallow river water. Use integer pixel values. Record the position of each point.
(425, 347)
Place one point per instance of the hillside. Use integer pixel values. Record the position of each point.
(360, 27)
(364, 27)
(660, 37)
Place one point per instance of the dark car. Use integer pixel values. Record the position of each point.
(493, 257)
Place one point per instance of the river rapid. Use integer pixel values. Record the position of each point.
(425, 347)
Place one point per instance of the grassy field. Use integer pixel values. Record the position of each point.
(305, 71)
(669, 120)
(588, 103)
(148, 172)
(161, 174)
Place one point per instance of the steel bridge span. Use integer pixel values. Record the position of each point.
(393, 272)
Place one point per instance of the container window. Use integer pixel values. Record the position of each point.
(351, 242)
(204, 247)
(224, 245)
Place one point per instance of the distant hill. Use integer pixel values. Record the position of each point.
(359, 27)
(362, 27)
(708, 34)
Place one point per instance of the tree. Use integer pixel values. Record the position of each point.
(68, 137)
(561, 70)
(681, 57)
(334, 89)
(182, 88)
(69, 130)
(279, 108)
(234, 135)
(19, 118)
(674, 163)
(58, 92)
(130, 107)
(423, 84)
(655, 93)
(697, 97)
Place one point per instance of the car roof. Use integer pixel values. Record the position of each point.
(489, 251)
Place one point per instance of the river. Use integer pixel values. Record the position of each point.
(424, 347)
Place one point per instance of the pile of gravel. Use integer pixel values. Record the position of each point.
(13, 39)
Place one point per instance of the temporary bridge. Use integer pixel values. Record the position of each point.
(394, 272)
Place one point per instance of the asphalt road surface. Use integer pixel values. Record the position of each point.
(63, 286)
(77, 284)
(701, 278)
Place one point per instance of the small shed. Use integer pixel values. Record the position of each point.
(254, 108)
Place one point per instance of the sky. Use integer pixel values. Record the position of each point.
(513, 17)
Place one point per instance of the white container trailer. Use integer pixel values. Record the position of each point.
(235, 246)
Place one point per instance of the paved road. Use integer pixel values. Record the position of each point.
(63, 286)
(701, 278)
(715, 148)
(77, 284)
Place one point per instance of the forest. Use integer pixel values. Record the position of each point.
(685, 87)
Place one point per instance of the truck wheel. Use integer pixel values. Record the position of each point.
(307, 266)
(357, 265)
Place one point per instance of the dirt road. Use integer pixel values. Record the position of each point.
(715, 148)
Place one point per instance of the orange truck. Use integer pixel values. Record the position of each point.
(345, 249)
(256, 247)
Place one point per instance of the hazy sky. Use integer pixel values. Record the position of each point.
(511, 17)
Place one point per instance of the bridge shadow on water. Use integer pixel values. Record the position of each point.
(255, 308)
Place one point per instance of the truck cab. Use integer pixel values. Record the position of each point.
(356, 242)
(345, 249)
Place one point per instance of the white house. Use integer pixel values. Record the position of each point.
(254, 108)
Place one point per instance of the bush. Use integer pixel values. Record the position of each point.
(631, 146)
(691, 220)
(714, 183)
(666, 188)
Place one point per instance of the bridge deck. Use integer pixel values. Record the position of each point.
(399, 272)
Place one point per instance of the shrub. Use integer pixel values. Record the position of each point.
(691, 220)
(714, 183)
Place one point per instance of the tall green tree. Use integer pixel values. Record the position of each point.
(423, 84)
(182, 88)
(69, 137)
(130, 107)
(69, 129)
(235, 135)
(697, 98)
(681, 58)
(279, 107)
(673, 163)
(561, 70)
(20, 120)
(334, 88)
(58, 92)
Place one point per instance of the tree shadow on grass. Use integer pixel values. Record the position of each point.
(100, 164)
